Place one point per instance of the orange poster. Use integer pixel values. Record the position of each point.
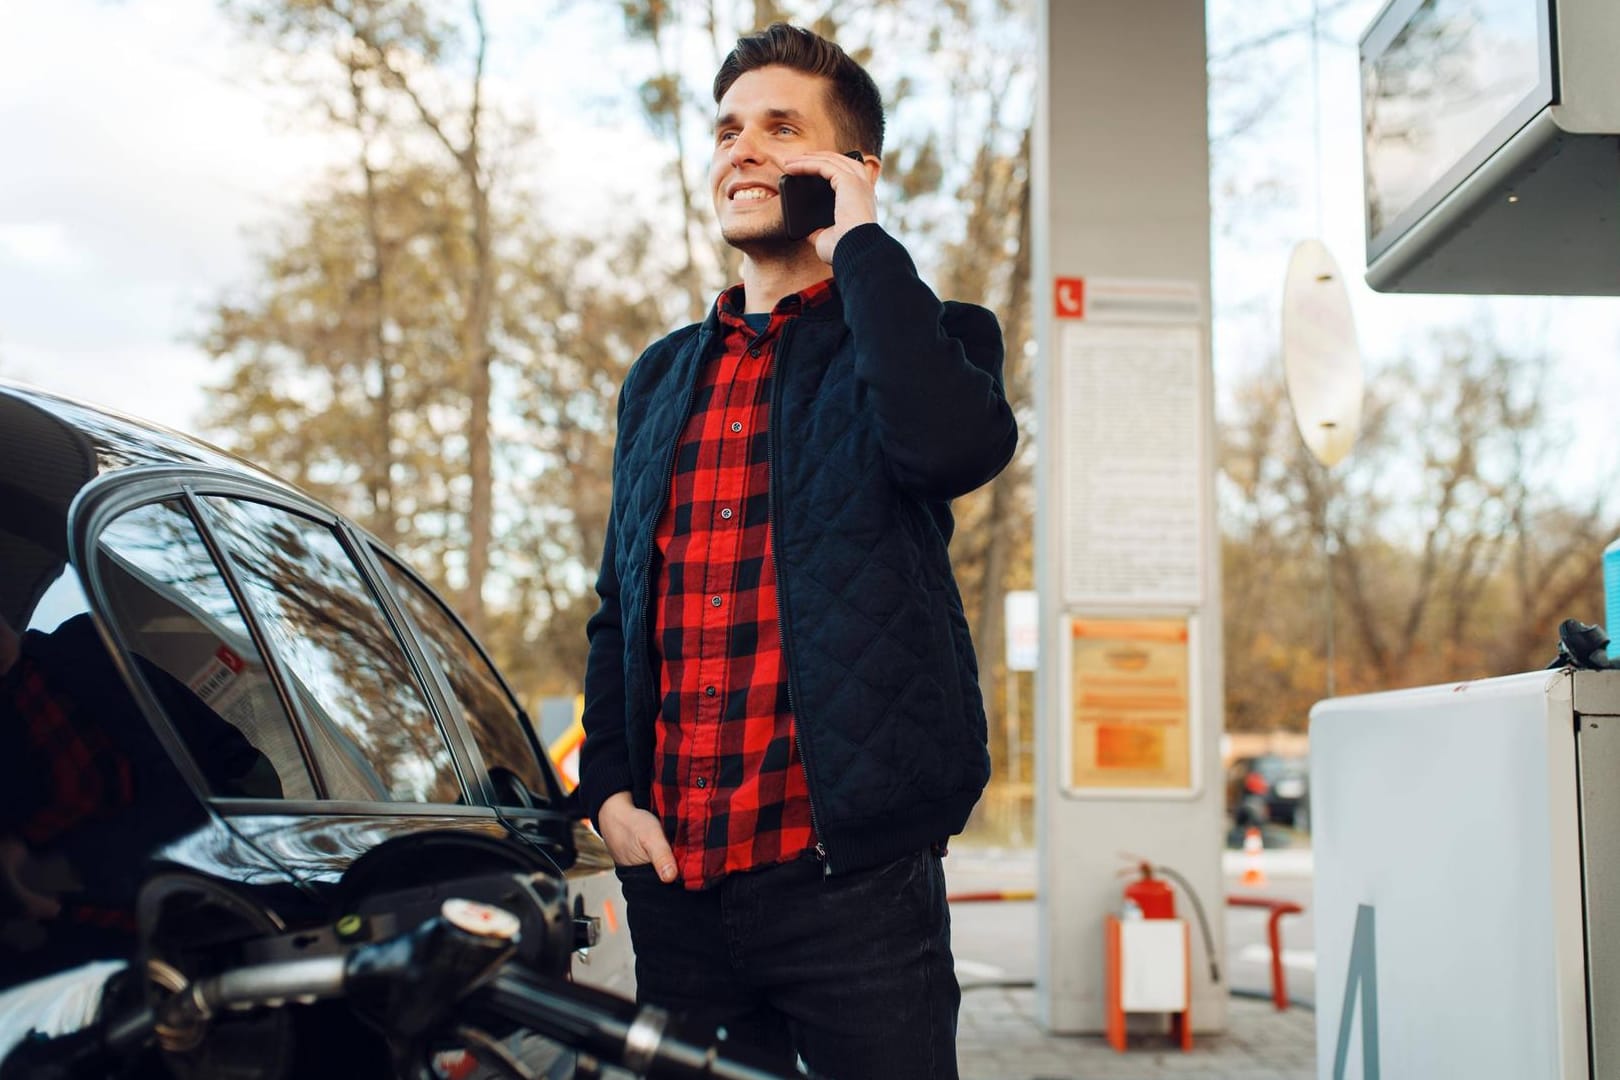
(1131, 694)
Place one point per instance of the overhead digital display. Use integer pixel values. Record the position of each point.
(1444, 83)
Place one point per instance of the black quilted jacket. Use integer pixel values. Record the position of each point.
(886, 404)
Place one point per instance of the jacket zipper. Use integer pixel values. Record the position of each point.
(772, 518)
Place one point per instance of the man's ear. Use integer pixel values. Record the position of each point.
(873, 163)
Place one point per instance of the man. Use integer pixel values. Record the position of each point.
(783, 721)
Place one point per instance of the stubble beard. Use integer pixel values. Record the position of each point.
(765, 241)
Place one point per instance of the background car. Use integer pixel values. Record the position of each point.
(227, 711)
(1269, 789)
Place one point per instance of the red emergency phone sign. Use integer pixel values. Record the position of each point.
(1069, 296)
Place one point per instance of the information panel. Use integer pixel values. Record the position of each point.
(1132, 466)
(1130, 719)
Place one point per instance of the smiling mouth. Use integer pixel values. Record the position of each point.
(752, 194)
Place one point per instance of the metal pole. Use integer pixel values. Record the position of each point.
(1316, 108)
(1014, 739)
(1327, 570)
(1327, 566)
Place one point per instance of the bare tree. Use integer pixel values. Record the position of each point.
(396, 51)
(1454, 556)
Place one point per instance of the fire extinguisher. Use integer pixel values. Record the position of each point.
(1149, 896)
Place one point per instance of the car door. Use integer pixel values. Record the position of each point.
(305, 716)
(183, 698)
(384, 719)
(387, 763)
(522, 783)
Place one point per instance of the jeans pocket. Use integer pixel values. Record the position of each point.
(636, 872)
(908, 888)
(927, 891)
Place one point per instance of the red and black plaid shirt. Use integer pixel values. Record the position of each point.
(728, 782)
(61, 769)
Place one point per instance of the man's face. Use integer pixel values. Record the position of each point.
(769, 115)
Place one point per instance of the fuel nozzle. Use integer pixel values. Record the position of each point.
(1583, 645)
(408, 985)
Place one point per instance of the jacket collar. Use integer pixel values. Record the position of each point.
(821, 301)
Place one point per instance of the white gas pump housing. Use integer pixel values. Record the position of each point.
(1468, 880)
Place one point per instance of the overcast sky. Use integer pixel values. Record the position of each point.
(132, 168)
(144, 156)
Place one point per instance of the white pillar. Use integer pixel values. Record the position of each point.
(1121, 193)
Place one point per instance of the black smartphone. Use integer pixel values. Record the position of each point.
(807, 200)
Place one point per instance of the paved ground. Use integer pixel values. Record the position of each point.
(1000, 1038)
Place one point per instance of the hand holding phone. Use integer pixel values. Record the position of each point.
(808, 200)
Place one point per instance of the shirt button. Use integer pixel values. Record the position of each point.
(715, 601)
(726, 514)
(754, 351)
(709, 691)
(736, 425)
(703, 781)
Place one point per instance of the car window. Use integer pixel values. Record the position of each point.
(489, 711)
(63, 600)
(371, 730)
(1275, 768)
(187, 638)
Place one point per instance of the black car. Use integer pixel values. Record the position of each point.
(226, 712)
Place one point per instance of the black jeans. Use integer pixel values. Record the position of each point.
(853, 973)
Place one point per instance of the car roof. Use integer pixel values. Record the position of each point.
(118, 440)
(53, 447)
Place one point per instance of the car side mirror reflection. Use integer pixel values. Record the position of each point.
(510, 790)
(571, 805)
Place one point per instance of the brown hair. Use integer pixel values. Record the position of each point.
(857, 107)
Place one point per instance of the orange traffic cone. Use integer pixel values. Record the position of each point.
(1254, 875)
